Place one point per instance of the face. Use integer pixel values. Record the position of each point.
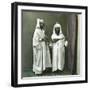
(57, 30)
(41, 25)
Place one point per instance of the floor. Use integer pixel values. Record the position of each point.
(47, 72)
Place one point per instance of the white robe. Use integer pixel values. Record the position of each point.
(41, 54)
(58, 52)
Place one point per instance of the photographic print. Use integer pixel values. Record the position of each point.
(49, 44)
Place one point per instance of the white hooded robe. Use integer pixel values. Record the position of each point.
(41, 54)
(58, 50)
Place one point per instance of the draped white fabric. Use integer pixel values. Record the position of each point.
(41, 54)
(58, 49)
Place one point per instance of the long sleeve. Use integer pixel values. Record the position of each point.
(36, 38)
(61, 36)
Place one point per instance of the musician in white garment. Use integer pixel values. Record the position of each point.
(59, 44)
(41, 54)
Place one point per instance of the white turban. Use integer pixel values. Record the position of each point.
(38, 21)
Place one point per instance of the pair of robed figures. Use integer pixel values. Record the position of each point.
(41, 53)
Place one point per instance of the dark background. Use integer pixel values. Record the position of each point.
(67, 21)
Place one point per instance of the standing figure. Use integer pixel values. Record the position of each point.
(59, 44)
(41, 54)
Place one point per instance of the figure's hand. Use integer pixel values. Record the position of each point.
(41, 39)
(66, 43)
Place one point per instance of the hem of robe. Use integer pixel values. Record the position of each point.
(61, 69)
(38, 71)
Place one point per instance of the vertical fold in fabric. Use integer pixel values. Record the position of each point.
(72, 40)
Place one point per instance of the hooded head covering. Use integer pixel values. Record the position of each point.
(38, 21)
(54, 35)
(55, 26)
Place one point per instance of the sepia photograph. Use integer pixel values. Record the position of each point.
(50, 44)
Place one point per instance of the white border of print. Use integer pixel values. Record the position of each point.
(45, 79)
